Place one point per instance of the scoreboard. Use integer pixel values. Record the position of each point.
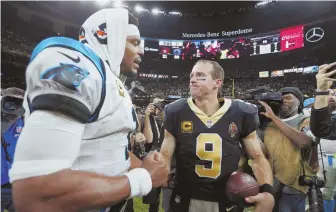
(170, 43)
(170, 49)
(265, 45)
(226, 48)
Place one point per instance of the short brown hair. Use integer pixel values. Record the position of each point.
(217, 70)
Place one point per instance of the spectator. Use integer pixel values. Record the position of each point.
(153, 132)
(322, 124)
(11, 108)
(283, 137)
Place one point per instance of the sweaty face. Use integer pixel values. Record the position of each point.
(202, 82)
(289, 106)
(132, 56)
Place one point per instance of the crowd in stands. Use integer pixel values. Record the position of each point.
(180, 87)
(19, 40)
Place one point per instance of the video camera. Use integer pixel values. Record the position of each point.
(136, 89)
(315, 197)
(273, 99)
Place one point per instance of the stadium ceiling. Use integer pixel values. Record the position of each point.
(78, 11)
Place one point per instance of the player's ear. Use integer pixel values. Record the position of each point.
(219, 83)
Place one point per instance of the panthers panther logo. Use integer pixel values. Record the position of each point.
(101, 34)
(67, 75)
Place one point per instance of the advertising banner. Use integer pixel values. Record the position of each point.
(263, 74)
(292, 38)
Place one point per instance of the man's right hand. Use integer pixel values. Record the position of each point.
(155, 164)
(323, 78)
(150, 109)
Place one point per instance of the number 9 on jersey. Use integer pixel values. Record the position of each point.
(209, 147)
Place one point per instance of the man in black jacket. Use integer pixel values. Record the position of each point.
(153, 132)
(322, 124)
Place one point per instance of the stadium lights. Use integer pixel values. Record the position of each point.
(156, 11)
(139, 9)
(264, 2)
(174, 13)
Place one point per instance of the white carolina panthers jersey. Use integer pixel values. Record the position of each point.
(69, 78)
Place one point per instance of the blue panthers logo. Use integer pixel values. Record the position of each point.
(67, 75)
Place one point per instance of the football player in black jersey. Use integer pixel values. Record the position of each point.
(205, 133)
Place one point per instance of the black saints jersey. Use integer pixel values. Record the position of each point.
(207, 148)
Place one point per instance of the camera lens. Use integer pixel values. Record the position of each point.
(11, 104)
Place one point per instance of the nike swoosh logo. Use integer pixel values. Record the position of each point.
(76, 60)
(229, 209)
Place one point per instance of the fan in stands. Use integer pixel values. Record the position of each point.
(239, 186)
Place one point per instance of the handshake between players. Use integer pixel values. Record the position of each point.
(156, 166)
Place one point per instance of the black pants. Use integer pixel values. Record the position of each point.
(179, 203)
(153, 199)
(118, 206)
(129, 206)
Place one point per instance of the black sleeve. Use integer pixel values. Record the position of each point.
(322, 125)
(251, 121)
(170, 121)
(153, 124)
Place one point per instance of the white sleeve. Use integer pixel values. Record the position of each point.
(65, 81)
(48, 143)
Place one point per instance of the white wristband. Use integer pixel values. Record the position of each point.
(140, 182)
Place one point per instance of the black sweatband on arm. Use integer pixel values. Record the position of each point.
(267, 188)
(321, 93)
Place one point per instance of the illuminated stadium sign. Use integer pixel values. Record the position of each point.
(292, 38)
(217, 34)
(238, 44)
(151, 49)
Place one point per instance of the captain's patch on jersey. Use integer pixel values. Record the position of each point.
(186, 127)
(68, 75)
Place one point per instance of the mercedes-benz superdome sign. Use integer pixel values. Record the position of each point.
(241, 43)
(217, 34)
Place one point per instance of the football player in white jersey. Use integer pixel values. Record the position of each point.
(72, 153)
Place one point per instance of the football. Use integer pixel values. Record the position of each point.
(239, 186)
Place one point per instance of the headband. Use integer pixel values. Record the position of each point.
(132, 30)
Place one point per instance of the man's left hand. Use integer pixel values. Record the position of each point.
(269, 112)
(264, 202)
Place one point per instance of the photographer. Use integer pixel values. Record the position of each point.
(290, 149)
(153, 132)
(322, 124)
(137, 138)
(12, 122)
(153, 123)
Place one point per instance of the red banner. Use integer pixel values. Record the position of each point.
(292, 38)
